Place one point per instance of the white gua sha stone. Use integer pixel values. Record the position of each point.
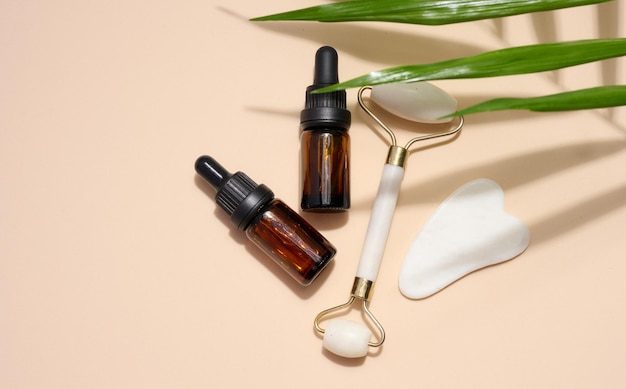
(469, 231)
(348, 338)
(418, 101)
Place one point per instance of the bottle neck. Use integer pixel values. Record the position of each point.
(325, 117)
(242, 199)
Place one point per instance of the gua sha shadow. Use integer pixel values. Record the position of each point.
(470, 230)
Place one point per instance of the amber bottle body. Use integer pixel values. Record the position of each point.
(325, 170)
(290, 241)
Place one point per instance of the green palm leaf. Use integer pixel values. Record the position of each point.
(509, 61)
(428, 12)
(599, 97)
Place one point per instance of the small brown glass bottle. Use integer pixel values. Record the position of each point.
(324, 141)
(275, 228)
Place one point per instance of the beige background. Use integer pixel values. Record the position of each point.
(118, 271)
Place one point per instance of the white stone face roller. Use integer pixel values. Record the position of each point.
(345, 337)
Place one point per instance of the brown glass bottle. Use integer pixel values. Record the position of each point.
(290, 241)
(276, 229)
(324, 141)
(325, 170)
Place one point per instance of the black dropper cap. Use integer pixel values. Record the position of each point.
(325, 109)
(237, 194)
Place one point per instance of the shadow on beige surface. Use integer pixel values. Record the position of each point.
(510, 172)
(550, 26)
(369, 42)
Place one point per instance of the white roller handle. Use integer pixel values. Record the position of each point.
(380, 222)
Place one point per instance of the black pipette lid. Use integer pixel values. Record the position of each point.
(236, 194)
(325, 109)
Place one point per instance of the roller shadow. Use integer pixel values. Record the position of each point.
(513, 171)
(522, 169)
